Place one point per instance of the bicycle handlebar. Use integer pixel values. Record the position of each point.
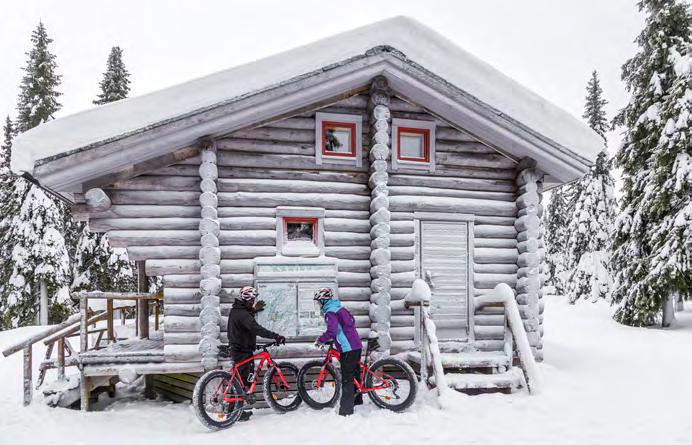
(267, 345)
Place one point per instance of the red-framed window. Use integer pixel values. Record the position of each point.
(413, 144)
(339, 139)
(300, 229)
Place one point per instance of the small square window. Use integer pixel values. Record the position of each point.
(300, 229)
(413, 144)
(338, 139)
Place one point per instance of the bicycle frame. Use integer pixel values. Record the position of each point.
(264, 359)
(333, 354)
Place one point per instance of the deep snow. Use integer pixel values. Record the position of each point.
(603, 383)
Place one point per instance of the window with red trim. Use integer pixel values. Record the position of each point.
(413, 144)
(339, 139)
(300, 230)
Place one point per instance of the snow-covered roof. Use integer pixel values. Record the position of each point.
(419, 43)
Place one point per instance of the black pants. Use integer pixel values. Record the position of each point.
(349, 371)
(247, 368)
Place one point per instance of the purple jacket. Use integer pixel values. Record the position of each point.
(341, 327)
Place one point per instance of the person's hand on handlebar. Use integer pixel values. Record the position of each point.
(280, 340)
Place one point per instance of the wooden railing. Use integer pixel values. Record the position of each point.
(79, 324)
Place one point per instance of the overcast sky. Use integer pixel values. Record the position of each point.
(550, 46)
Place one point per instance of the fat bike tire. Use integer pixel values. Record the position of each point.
(225, 415)
(400, 373)
(307, 384)
(275, 392)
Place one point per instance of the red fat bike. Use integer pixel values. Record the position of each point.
(220, 396)
(389, 382)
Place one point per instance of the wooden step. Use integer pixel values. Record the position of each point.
(466, 360)
(510, 380)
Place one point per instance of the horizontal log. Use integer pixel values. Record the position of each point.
(267, 146)
(105, 225)
(493, 231)
(182, 338)
(495, 256)
(276, 134)
(402, 333)
(153, 197)
(298, 123)
(489, 320)
(289, 185)
(323, 200)
(402, 253)
(300, 175)
(469, 146)
(247, 252)
(402, 227)
(460, 183)
(248, 238)
(454, 193)
(181, 324)
(348, 252)
(242, 222)
(495, 268)
(161, 183)
(498, 243)
(353, 279)
(353, 265)
(354, 293)
(489, 281)
(346, 239)
(403, 266)
(452, 134)
(141, 253)
(125, 238)
(181, 296)
(147, 211)
(347, 225)
(459, 172)
(481, 160)
(489, 345)
(239, 159)
(402, 240)
(451, 205)
(489, 332)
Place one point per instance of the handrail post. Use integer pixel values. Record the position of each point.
(61, 358)
(83, 324)
(109, 320)
(28, 389)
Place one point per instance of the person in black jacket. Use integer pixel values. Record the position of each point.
(243, 330)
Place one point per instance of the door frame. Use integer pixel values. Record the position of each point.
(470, 289)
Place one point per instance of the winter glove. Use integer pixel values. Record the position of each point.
(259, 306)
(280, 339)
(319, 345)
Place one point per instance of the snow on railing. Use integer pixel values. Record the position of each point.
(420, 295)
(503, 294)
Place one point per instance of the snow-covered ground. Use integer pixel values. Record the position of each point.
(602, 384)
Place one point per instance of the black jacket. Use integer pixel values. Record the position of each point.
(243, 329)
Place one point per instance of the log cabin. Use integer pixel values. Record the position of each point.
(360, 162)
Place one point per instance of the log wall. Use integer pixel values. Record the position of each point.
(157, 217)
(469, 178)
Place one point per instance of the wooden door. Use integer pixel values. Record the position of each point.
(444, 261)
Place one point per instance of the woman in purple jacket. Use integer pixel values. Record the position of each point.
(341, 329)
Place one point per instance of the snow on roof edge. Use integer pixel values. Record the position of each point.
(416, 41)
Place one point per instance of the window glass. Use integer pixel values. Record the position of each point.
(300, 231)
(411, 145)
(337, 139)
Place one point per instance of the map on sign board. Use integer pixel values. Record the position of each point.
(281, 311)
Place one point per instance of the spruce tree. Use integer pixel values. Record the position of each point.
(6, 147)
(38, 97)
(594, 110)
(116, 80)
(32, 235)
(652, 238)
(590, 225)
(556, 215)
(589, 232)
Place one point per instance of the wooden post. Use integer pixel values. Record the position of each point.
(61, 359)
(83, 324)
(84, 392)
(142, 304)
(43, 303)
(122, 316)
(109, 320)
(156, 316)
(28, 390)
(149, 386)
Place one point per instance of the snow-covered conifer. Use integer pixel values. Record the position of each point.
(38, 96)
(98, 266)
(6, 147)
(116, 80)
(653, 232)
(35, 251)
(555, 221)
(594, 110)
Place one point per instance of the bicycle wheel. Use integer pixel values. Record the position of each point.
(319, 393)
(208, 400)
(394, 384)
(280, 397)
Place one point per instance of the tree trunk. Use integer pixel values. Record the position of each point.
(43, 304)
(668, 312)
(679, 304)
